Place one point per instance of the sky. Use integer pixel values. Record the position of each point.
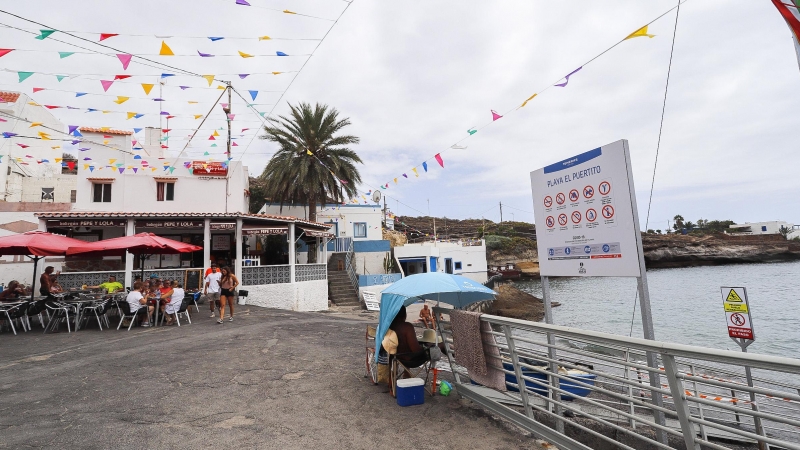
(414, 77)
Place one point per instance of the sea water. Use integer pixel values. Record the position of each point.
(686, 305)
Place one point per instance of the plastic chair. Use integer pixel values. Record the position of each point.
(60, 311)
(16, 312)
(183, 310)
(36, 309)
(125, 311)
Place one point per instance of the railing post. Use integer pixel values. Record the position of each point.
(678, 398)
(632, 407)
(292, 252)
(554, 395)
(699, 405)
(523, 391)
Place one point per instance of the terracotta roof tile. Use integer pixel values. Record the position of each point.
(107, 131)
(150, 215)
(103, 179)
(9, 97)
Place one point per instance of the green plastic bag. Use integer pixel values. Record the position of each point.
(445, 388)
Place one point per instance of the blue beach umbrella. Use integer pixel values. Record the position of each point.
(446, 288)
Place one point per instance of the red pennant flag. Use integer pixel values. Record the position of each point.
(5, 51)
(71, 165)
(105, 136)
(166, 130)
(51, 106)
(104, 36)
(121, 77)
(438, 157)
(170, 117)
(35, 90)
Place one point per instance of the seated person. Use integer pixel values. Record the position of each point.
(46, 281)
(175, 301)
(136, 300)
(55, 286)
(426, 317)
(409, 352)
(111, 286)
(12, 292)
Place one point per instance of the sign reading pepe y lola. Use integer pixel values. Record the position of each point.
(585, 214)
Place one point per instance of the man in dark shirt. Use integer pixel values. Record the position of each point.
(409, 352)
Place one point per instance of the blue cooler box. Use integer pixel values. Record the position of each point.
(410, 391)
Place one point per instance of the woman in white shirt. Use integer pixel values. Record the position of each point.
(176, 299)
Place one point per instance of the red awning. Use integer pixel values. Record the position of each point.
(37, 243)
(142, 243)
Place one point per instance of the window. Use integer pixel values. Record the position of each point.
(165, 191)
(360, 229)
(457, 265)
(73, 196)
(101, 192)
(763, 228)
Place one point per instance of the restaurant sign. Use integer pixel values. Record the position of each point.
(170, 224)
(209, 168)
(231, 226)
(86, 223)
(264, 231)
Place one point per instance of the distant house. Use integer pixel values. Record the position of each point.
(463, 257)
(772, 227)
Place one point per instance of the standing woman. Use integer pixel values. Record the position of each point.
(227, 287)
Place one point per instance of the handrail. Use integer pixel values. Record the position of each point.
(349, 263)
(616, 402)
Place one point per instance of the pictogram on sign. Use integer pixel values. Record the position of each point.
(738, 319)
(550, 222)
(560, 198)
(588, 192)
(574, 195)
(604, 188)
(548, 201)
(608, 211)
(591, 215)
(576, 217)
(733, 297)
(562, 219)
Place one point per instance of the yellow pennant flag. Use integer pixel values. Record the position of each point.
(131, 115)
(641, 32)
(105, 128)
(58, 160)
(277, 73)
(215, 133)
(56, 147)
(106, 142)
(35, 124)
(286, 11)
(209, 78)
(33, 104)
(415, 172)
(44, 136)
(529, 99)
(165, 50)
(244, 55)
(197, 116)
(106, 111)
(147, 88)
(221, 87)
(192, 102)
(264, 38)
(86, 167)
(395, 181)
(309, 153)
(120, 99)
(112, 161)
(153, 169)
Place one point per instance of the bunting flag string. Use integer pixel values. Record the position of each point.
(164, 51)
(92, 76)
(640, 32)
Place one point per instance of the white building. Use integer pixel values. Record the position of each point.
(466, 258)
(772, 227)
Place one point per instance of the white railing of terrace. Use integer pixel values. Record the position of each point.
(706, 401)
(350, 266)
(342, 244)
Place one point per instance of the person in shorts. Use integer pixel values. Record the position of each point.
(227, 292)
(211, 289)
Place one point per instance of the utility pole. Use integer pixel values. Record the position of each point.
(501, 212)
(384, 213)
(227, 116)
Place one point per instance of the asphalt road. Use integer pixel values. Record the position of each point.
(270, 379)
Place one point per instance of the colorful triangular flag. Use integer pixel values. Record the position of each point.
(125, 59)
(44, 34)
(165, 50)
(63, 55)
(24, 76)
(495, 116)
(104, 36)
(244, 55)
(106, 84)
(641, 32)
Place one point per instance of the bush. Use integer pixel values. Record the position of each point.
(494, 242)
(509, 245)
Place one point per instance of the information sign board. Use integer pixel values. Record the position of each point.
(737, 312)
(584, 211)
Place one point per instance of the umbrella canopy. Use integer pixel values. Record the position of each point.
(446, 288)
(138, 244)
(37, 243)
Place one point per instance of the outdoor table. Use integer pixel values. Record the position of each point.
(78, 303)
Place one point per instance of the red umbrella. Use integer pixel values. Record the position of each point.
(36, 243)
(142, 245)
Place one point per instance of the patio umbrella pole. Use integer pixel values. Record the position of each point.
(33, 284)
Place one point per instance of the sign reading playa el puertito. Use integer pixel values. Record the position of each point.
(584, 211)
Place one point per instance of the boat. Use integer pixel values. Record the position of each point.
(507, 271)
(578, 390)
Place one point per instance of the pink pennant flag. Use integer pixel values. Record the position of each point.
(495, 116)
(125, 59)
(231, 116)
(106, 84)
(438, 157)
(245, 129)
(35, 90)
(234, 144)
(224, 105)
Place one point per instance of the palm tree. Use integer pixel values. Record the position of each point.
(313, 163)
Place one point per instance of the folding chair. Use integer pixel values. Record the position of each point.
(399, 368)
(369, 344)
(99, 308)
(59, 311)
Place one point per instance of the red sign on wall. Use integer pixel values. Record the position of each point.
(209, 168)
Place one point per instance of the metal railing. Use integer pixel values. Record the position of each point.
(583, 387)
(342, 244)
(350, 266)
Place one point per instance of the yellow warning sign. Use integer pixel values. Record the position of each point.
(735, 307)
(734, 297)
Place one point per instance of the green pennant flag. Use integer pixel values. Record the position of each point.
(171, 169)
(44, 34)
(213, 145)
(60, 77)
(24, 76)
(206, 154)
(63, 55)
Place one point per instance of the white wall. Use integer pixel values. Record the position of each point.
(369, 263)
(29, 189)
(342, 215)
(136, 191)
(302, 296)
(773, 227)
(14, 156)
(472, 258)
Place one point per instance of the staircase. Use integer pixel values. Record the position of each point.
(340, 288)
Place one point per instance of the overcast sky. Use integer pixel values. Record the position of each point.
(415, 76)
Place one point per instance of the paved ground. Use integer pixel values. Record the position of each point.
(271, 379)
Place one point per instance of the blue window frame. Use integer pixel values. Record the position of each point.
(359, 229)
(457, 265)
